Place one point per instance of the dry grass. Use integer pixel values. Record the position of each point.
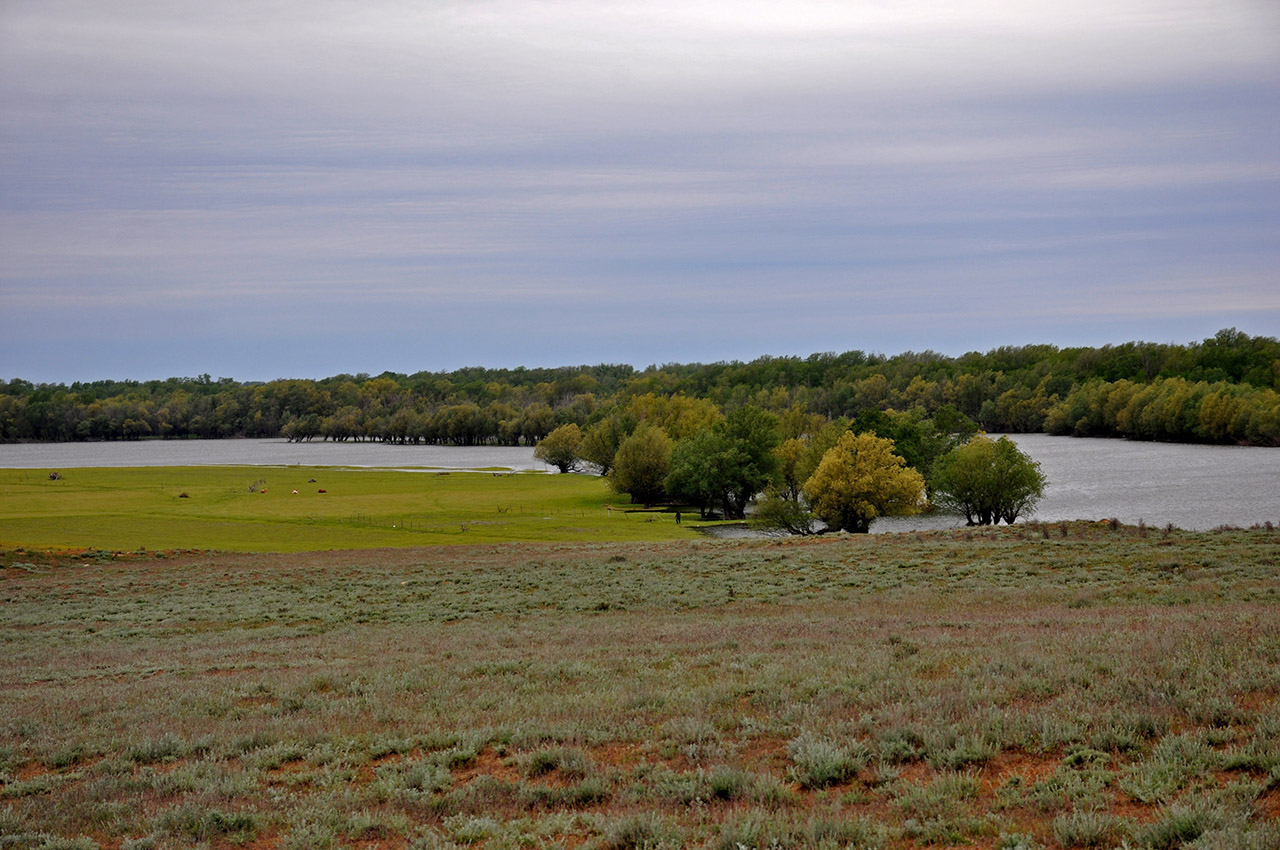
(991, 689)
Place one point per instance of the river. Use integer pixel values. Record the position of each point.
(1191, 486)
(265, 453)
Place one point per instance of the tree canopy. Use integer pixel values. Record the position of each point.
(1224, 389)
(726, 465)
(641, 465)
(988, 481)
(862, 478)
(562, 448)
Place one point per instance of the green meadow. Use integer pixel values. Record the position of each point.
(255, 509)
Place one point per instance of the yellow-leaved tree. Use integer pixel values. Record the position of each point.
(861, 478)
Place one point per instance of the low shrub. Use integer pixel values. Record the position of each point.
(193, 820)
(819, 762)
(1178, 827)
(571, 762)
(1088, 829)
(644, 831)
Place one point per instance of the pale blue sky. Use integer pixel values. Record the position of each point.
(261, 190)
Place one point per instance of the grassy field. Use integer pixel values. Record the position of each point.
(255, 509)
(1058, 686)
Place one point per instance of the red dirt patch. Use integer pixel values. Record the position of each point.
(915, 772)
(1268, 805)
(31, 770)
(1256, 701)
(290, 768)
(1030, 768)
(621, 755)
(488, 763)
(764, 754)
(1123, 806)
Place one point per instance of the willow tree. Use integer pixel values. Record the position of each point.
(562, 448)
(860, 479)
(641, 465)
(726, 465)
(988, 481)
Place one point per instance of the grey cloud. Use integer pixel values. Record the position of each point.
(671, 181)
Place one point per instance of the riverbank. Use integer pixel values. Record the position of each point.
(1191, 486)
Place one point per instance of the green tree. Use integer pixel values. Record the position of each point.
(726, 465)
(799, 457)
(641, 465)
(753, 436)
(678, 415)
(988, 481)
(701, 469)
(862, 478)
(778, 512)
(918, 439)
(600, 441)
(538, 421)
(562, 448)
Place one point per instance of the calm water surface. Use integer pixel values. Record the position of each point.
(1193, 487)
(264, 453)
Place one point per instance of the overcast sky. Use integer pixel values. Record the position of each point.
(297, 189)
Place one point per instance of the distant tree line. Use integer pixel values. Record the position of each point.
(1222, 390)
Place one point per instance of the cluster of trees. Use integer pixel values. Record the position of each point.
(808, 468)
(1224, 389)
(423, 409)
(1170, 409)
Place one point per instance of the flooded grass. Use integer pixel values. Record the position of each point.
(1086, 688)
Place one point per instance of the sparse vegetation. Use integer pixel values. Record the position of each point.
(991, 687)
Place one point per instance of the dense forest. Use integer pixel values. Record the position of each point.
(1222, 390)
